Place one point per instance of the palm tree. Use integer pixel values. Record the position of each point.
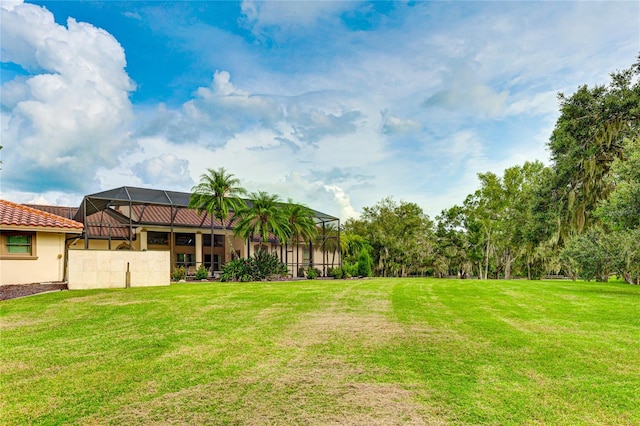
(350, 245)
(262, 216)
(217, 193)
(302, 227)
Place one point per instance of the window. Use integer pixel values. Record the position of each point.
(218, 240)
(216, 261)
(306, 254)
(260, 247)
(185, 259)
(157, 238)
(185, 240)
(18, 244)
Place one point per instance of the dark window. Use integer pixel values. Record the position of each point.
(216, 261)
(185, 240)
(185, 259)
(157, 238)
(218, 240)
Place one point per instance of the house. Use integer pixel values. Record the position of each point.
(33, 244)
(136, 236)
(141, 219)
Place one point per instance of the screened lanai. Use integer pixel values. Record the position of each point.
(150, 219)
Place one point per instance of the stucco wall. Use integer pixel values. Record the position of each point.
(46, 265)
(107, 268)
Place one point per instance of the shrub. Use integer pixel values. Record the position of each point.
(349, 269)
(202, 273)
(179, 273)
(364, 263)
(336, 273)
(263, 266)
(312, 274)
(237, 270)
(268, 266)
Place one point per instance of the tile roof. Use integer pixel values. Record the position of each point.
(13, 214)
(63, 211)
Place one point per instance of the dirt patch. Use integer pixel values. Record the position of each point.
(6, 324)
(13, 291)
(371, 328)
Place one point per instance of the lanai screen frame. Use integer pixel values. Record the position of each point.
(133, 196)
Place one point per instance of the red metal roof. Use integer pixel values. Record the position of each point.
(12, 214)
(161, 215)
(103, 224)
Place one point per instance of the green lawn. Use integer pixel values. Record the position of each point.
(379, 351)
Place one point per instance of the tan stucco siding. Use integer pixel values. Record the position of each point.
(46, 265)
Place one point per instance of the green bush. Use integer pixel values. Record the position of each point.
(263, 266)
(179, 273)
(349, 269)
(268, 266)
(364, 263)
(336, 273)
(312, 274)
(237, 270)
(202, 273)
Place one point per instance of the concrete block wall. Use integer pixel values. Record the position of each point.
(108, 269)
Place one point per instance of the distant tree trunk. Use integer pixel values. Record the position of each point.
(486, 260)
(507, 266)
(486, 256)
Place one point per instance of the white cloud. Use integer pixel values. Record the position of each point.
(292, 14)
(164, 170)
(464, 96)
(343, 200)
(57, 198)
(461, 145)
(224, 109)
(311, 125)
(542, 103)
(310, 191)
(10, 4)
(397, 125)
(74, 113)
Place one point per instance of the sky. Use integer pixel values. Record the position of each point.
(335, 105)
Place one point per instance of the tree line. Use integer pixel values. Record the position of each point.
(578, 217)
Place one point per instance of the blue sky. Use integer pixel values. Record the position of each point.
(333, 104)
